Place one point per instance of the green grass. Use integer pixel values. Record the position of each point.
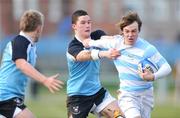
(49, 105)
(166, 111)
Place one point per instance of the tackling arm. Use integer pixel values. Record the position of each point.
(96, 54)
(106, 42)
(83, 55)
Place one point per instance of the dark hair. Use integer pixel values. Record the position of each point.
(128, 19)
(77, 14)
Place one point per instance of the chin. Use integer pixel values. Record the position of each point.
(87, 35)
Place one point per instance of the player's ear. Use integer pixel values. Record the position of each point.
(74, 26)
(39, 29)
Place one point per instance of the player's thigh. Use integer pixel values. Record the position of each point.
(25, 113)
(109, 106)
(148, 104)
(132, 113)
(147, 108)
(130, 106)
(111, 110)
(147, 113)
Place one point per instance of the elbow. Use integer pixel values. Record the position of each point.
(170, 69)
(81, 59)
(167, 68)
(83, 56)
(78, 59)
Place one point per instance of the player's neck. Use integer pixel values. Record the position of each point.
(28, 35)
(81, 38)
(31, 35)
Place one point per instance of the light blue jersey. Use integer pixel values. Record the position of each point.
(12, 80)
(127, 63)
(83, 76)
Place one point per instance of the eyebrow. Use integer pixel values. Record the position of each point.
(86, 21)
(131, 29)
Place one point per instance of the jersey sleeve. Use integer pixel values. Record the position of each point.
(106, 42)
(96, 35)
(19, 48)
(74, 48)
(156, 57)
(163, 67)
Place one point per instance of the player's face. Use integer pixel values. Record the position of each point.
(130, 33)
(82, 27)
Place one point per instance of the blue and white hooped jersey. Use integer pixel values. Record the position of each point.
(83, 76)
(127, 63)
(12, 80)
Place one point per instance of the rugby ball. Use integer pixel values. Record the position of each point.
(147, 64)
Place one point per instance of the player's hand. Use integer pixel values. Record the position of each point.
(110, 54)
(53, 84)
(86, 42)
(113, 53)
(147, 75)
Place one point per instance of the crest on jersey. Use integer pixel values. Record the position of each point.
(75, 110)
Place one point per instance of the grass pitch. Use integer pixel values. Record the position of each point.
(48, 105)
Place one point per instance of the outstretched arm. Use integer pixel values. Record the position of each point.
(96, 54)
(106, 42)
(52, 82)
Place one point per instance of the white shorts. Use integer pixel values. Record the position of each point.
(136, 104)
(17, 111)
(106, 101)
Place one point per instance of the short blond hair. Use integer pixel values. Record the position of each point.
(30, 20)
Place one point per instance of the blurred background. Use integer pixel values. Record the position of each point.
(161, 19)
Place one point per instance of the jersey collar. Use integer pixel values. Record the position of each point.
(78, 38)
(26, 36)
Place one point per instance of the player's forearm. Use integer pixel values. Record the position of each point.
(29, 70)
(91, 55)
(84, 56)
(104, 54)
(164, 70)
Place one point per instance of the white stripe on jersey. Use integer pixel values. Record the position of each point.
(123, 69)
(128, 59)
(137, 51)
(133, 83)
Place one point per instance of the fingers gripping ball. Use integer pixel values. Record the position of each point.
(147, 64)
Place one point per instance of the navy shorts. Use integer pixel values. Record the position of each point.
(79, 106)
(8, 107)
